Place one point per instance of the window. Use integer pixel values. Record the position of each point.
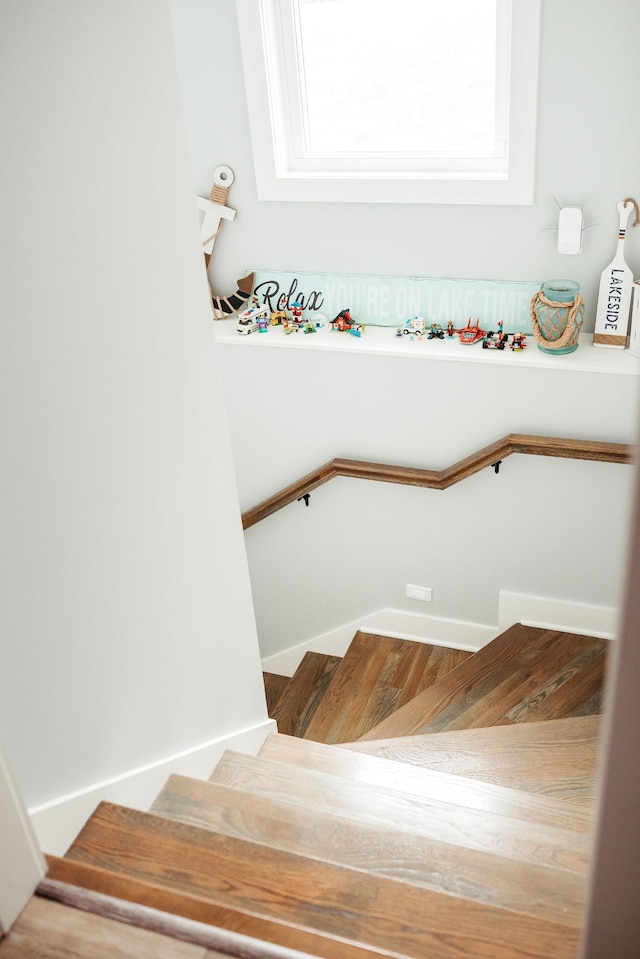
(405, 101)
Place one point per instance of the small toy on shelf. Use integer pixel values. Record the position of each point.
(435, 332)
(414, 326)
(249, 320)
(342, 322)
(518, 342)
(278, 317)
(263, 324)
(493, 341)
(296, 312)
(357, 330)
(471, 334)
(309, 327)
(451, 330)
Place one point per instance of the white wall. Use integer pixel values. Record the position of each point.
(587, 147)
(127, 631)
(545, 527)
(357, 545)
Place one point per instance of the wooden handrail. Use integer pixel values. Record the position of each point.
(441, 479)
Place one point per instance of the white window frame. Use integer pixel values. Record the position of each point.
(281, 175)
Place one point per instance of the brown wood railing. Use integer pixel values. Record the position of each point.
(441, 479)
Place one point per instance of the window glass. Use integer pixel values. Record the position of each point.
(427, 101)
(420, 80)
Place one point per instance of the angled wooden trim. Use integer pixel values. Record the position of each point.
(169, 913)
(290, 494)
(593, 450)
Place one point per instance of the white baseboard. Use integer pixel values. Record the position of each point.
(547, 613)
(58, 822)
(385, 622)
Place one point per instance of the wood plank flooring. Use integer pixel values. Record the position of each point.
(417, 802)
(274, 687)
(520, 675)
(374, 912)
(377, 675)
(49, 930)
(451, 822)
(299, 700)
(556, 758)
(510, 884)
(202, 909)
(423, 782)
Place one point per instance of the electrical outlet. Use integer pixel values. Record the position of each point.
(419, 592)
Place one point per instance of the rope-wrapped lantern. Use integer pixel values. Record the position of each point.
(557, 313)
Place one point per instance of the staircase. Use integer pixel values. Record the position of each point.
(417, 802)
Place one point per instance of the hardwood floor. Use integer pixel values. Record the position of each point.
(417, 802)
(446, 820)
(557, 758)
(351, 763)
(274, 687)
(520, 675)
(377, 675)
(49, 930)
(298, 702)
(370, 911)
(393, 852)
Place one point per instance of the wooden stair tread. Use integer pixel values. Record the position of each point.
(539, 891)
(377, 675)
(199, 909)
(358, 908)
(557, 758)
(541, 680)
(304, 692)
(50, 930)
(565, 693)
(539, 655)
(349, 763)
(461, 825)
(274, 687)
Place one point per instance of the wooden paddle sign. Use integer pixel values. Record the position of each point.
(614, 295)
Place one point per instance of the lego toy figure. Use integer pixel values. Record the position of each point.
(518, 342)
(450, 329)
(256, 318)
(412, 327)
(493, 342)
(342, 322)
(471, 334)
(435, 332)
(296, 313)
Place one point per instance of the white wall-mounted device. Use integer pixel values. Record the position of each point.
(570, 230)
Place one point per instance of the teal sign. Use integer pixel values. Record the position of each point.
(390, 300)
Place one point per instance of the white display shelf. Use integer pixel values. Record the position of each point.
(381, 341)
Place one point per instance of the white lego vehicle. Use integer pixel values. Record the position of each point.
(248, 319)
